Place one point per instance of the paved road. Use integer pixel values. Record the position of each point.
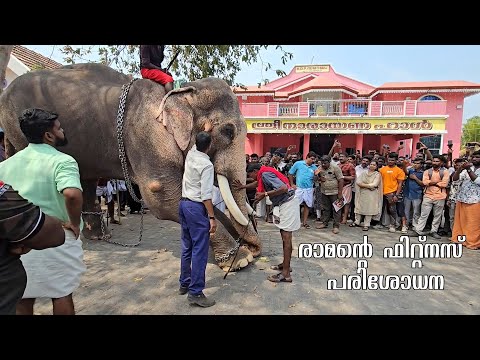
(144, 280)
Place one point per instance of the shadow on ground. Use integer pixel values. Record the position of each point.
(144, 279)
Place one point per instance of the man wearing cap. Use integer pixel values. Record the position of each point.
(276, 161)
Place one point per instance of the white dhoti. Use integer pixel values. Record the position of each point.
(287, 215)
(54, 272)
(261, 208)
(305, 195)
(101, 191)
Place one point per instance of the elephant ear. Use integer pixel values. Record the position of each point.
(176, 114)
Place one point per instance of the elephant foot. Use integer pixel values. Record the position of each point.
(255, 250)
(243, 258)
(96, 234)
(93, 229)
(99, 237)
(253, 244)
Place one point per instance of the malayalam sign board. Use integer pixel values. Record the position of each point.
(348, 126)
(312, 68)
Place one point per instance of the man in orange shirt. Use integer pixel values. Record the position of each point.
(434, 197)
(392, 177)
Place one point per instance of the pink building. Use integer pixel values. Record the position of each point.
(313, 105)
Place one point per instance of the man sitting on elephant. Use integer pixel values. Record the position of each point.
(151, 57)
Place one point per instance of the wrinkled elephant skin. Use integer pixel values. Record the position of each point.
(159, 129)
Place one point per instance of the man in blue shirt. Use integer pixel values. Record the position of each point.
(304, 172)
(413, 192)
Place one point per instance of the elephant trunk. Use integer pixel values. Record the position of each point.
(236, 200)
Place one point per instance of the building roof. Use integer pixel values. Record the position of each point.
(252, 89)
(32, 59)
(303, 79)
(321, 83)
(429, 85)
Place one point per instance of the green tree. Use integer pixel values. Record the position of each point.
(193, 61)
(471, 130)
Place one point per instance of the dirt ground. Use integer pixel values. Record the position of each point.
(144, 279)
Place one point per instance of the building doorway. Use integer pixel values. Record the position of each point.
(321, 143)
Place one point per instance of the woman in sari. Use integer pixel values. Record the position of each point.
(369, 198)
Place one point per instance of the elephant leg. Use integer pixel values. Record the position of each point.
(94, 227)
(9, 148)
(251, 239)
(223, 245)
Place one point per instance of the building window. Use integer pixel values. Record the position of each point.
(429, 98)
(434, 143)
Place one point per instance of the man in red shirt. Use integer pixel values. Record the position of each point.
(151, 57)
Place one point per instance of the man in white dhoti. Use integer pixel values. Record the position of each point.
(49, 179)
(275, 185)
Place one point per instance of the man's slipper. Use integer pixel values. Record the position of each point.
(278, 267)
(279, 278)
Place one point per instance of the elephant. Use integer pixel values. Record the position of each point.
(158, 130)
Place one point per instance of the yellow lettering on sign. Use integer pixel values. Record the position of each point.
(312, 68)
(345, 125)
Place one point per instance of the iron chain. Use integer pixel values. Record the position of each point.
(123, 161)
(227, 255)
(102, 225)
(123, 158)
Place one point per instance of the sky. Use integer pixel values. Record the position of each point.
(371, 64)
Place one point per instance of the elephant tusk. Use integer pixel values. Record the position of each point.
(229, 201)
(250, 210)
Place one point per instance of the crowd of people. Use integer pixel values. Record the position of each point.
(41, 202)
(425, 194)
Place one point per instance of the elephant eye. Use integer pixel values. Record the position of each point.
(228, 130)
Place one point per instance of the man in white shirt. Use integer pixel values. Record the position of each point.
(197, 220)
